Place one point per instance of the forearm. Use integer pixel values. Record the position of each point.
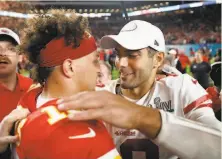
(188, 139)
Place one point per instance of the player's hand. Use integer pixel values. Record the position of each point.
(103, 105)
(6, 126)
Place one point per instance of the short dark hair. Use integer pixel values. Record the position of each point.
(215, 75)
(52, 24)
(151, 51)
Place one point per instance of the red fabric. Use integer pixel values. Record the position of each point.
(56, 51)
(215, 97)
(102, 55)
(9, 99)
(184, 60)
(192, 53)
(205, 58)
(40, 139)
(197, 104)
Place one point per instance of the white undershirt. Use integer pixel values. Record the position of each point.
(42, 100)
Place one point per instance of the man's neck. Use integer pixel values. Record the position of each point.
(138, 92)
(9, 81)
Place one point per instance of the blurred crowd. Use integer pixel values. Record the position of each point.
(176, 32)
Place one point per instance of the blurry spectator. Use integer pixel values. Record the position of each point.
(104, 75)
(184, 60)
(25, 67)
(192, 53)
(173, 53)
(218, 55)
(101, 54)
(200, 70)
(215, 91)
(204, 51)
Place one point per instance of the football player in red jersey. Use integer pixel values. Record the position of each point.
(64, 51)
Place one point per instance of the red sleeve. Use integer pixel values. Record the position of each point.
(25, 82)
(215, 97)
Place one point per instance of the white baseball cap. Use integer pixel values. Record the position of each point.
(135, 35)
(9, 32)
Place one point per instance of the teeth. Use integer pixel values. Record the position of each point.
(3, 61)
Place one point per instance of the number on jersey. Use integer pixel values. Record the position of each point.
(54, 114)
(143, 147)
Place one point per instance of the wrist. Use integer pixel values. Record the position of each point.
(149, 122)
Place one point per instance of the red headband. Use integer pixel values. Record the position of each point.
(56, 51)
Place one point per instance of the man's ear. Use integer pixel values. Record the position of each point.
(158, 59)
(67, 68)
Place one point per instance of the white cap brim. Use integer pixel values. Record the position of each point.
(10, 33)
(112, 41)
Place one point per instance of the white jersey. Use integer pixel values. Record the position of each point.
(181, 96)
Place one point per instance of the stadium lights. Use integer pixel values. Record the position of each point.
(22, 15)
(117, 10)
(197, 4)
(107, 10)
(169, 8)
(167, 3)
(90, 10)
(101, 10)
(80, 10)
(135, 8)
(112, 10)
(161, 4)
(85, 10)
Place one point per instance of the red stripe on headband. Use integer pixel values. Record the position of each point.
(56, 51)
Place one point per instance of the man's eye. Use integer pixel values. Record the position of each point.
(12, 49)
(132, 56)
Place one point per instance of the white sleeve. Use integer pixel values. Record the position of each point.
(197, 103)
(206, 116)
(192, 95)
(188, 139)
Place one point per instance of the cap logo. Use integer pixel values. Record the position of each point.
(156, 43)
(129, 27)
(5, 31)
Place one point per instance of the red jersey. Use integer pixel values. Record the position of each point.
(9, 99)
(215, 97)
(47, 133)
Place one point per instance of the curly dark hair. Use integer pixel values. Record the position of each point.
(53, 24)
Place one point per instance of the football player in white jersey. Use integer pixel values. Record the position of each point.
(163, 110)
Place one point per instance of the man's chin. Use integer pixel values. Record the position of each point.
(5, 74)
(125, 85)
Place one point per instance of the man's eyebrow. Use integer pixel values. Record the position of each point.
(129, 51)
(134, 51)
